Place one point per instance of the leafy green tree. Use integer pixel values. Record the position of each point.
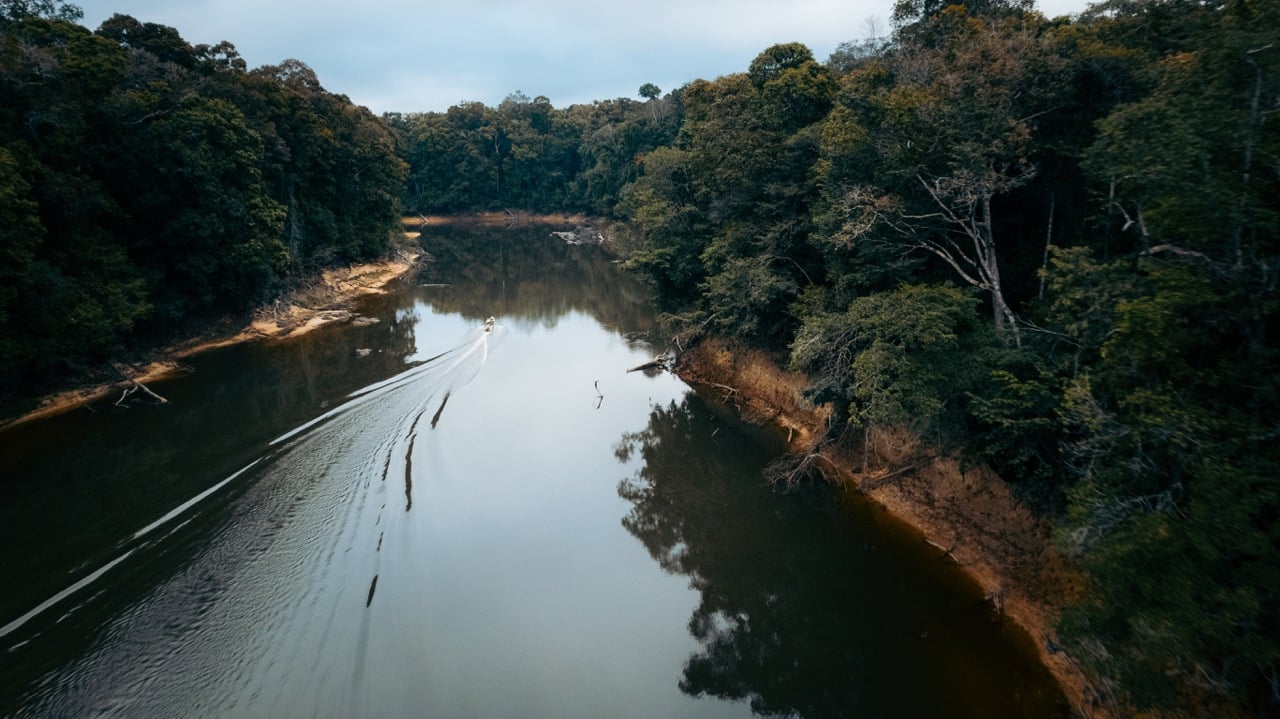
(889, 358)
(747, 146)
(796, 90)
(661, 203)
(147, 183)
(1168, 418)
(954, 135)
(161, 41)
(1183, 163)
(218, 243)
(14, 10)
(20, 237)
(745, 293)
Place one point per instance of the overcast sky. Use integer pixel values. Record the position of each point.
(420, 55)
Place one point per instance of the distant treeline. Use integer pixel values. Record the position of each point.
(147, 185)
(526, 154)
(1051, 243)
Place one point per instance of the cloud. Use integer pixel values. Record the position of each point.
(406, 55)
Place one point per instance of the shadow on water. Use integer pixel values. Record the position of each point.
(810, 604)
(102, 511)
(274, 523)
(74, 489)
(419, 517)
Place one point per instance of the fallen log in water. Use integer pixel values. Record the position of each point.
(660, 362)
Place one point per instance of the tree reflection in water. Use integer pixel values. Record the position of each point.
(807, 608)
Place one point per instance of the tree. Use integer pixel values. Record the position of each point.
(146, 184)
(161, 41)
(954, 135)
(14, 10)
(889, 357)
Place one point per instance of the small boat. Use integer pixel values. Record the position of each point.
(489, 323)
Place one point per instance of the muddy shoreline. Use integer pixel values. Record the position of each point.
(327, 301)
(969, 515)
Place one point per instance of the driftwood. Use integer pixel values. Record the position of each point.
(883, 479)
(581, 236)
(133, 387)
(654, 363)
(660, 362)
(790, 470)
(139, 387)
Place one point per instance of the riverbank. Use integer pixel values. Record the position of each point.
(493, 219)
(327, 300)
(967, 513)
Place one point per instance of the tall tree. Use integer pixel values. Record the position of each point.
(954, 134)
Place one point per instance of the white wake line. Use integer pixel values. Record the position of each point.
(192, 502)
(377, 389)
(417, 369)
(361, 396)
(97, 574)
(51, 601)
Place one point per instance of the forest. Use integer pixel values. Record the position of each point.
(1050, 244)
(148, 186)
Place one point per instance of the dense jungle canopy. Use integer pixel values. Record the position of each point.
(147, 185)
(1051, 243)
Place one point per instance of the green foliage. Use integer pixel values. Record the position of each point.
(1109, 185)
(20, 233)
(905, 371)
(1018, 428)
(527, 154)
(743, 295)
(661, 204)
(1183, 164)
(1187, 595)
(1083, 298)
(14, 10)
(146, 184)
(891, 356)
(1175, 472)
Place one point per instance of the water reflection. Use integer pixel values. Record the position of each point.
(74, 489)
(807, 607)
(419, 518)
(521, 277)
(250, 550)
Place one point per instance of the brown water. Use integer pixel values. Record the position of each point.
(460, 523)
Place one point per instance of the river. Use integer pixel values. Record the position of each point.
(419, 517)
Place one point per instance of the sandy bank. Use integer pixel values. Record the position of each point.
(328, 300)
(968, 514)
(493, 219)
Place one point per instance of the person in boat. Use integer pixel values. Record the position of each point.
(489, 323)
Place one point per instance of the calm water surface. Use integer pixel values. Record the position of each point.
(420, 518)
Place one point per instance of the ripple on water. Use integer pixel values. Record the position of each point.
(301, 543)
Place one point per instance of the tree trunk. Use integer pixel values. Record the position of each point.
(1048, 242)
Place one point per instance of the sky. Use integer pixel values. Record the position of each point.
(428, 55)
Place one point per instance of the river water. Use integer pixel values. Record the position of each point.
(418, 517)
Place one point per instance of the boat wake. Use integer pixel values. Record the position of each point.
(438, 376)
(326, 460)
